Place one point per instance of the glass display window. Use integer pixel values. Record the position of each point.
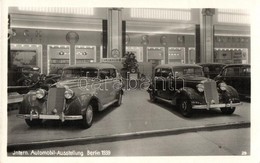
(156, 53)
(26, 54)
(231, 55)
(192, 55)
(137, 51)
(176, 55)
(85, 54)
(58, 58)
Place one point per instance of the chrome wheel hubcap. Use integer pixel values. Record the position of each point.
(89, 114)
(184, 105)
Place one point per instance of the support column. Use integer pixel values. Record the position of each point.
(72, 54)
(114, 33)
(206, 33)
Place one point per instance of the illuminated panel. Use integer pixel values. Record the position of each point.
(172, 14)
(85, 54)
(63, 10)
(233, 16)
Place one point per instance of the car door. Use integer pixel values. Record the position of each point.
(167, 83)
(158, 82)
(102, 87)
(178, 81)
(113, 84)
(244, 80)
(107, 75)
(230, 76)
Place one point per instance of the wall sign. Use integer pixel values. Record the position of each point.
(72, 37)
(163, 40)
(145, 40)
(115, 53)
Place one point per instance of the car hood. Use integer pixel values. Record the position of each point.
(195, 79)
(73, 83)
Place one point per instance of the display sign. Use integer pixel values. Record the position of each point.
(112, 59)
(133, 76)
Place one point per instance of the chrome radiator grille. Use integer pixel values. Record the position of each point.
(211, 93)
(55, 100)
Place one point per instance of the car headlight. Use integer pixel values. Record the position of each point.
(40, 93)
(222, 86)
(68, 94)
(200, 87)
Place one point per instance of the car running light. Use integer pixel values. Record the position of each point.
(200, 87)
(223, 86)
(68, 94)
(40, 93)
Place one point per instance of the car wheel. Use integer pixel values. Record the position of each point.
(185, 108)
(88, 117)
(152, 96)
(228, 110)
(34, 122)
(119, 99)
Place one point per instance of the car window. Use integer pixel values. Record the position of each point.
(113, 73)
(206, 69)
(157, 72)
(79, 72)
(107, 73)
(165, 72)
(231, 71)
(193, 71)
(245, 71)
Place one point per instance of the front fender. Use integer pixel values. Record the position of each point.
(191, 94)
(230, 94)
(150, 88)
(31, 103)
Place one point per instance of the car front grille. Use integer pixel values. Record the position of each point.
(55, 100)
(211, 93)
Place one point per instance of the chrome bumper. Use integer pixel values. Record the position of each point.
(61, 117)
(216, 105)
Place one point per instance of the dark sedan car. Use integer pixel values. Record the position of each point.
(23, 75)
(238, 76)
(211, 70)
(185, 86)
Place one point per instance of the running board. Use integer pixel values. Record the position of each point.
(161, 99)
(108, 104)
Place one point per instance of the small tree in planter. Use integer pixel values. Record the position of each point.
(130, 69)
(130, 63)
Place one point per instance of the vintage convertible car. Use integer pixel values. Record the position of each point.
(238, 76)
(81, 90)
(184, 85)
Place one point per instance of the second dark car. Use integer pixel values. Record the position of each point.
(185, 86)
(238, 76)
(211, 70)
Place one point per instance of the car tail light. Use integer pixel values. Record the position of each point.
(40, 93)
(68, 94)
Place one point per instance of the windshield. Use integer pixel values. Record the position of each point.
(188, 71)
(79, 72)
